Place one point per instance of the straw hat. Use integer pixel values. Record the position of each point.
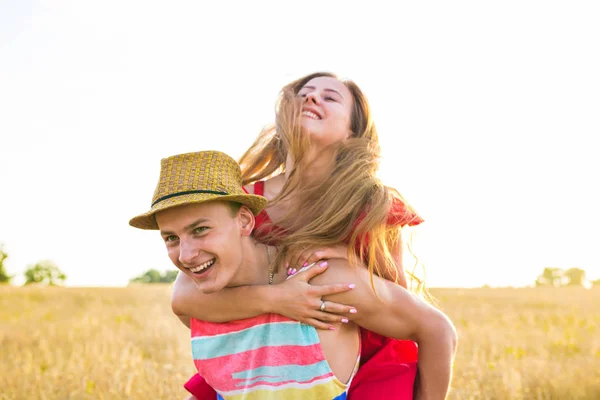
(197, 178)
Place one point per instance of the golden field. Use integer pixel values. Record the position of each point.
(124, 343)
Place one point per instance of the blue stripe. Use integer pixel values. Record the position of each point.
(341, 396)
(273, 334)
(277, 374)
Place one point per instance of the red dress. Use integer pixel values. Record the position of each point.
(388, 367)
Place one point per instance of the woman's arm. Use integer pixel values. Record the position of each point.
(226, 305)
(185, 320)
(400, 315)
(295, 299)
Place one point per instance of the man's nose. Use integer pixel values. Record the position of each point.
(187, 251)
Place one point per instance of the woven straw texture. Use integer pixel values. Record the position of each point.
(183, 176)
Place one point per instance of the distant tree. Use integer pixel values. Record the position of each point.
(552, 277)
(576, 276)
(170, 276)
(154, 276)
(4, 277)
(150, 276)
(44, 272)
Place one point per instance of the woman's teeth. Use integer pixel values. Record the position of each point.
(202, 267)
(310, 114)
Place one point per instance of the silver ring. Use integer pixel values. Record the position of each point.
(322, 305)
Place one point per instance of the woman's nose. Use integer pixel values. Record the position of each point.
(312, 97)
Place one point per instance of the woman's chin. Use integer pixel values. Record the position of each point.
(309, 125)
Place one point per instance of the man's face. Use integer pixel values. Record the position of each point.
(204, 241)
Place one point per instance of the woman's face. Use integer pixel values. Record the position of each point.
(326, 110)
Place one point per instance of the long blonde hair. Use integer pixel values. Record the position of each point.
(350, 204)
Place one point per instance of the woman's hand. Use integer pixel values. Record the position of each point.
(295, 262)
(297, 299)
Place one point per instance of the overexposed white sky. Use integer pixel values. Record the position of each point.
(488, 112)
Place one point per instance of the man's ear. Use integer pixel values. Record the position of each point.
(246, 220)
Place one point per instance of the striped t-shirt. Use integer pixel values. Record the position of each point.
(266, 357)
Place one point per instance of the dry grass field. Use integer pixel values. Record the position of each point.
(124, 343)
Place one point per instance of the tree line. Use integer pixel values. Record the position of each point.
(46, 272)
(43, 272)
(154, 276)
(558, 277)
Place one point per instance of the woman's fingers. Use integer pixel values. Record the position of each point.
(295, 262)
(318, 324)
(312, 272)
(325, 320)
(326, 316)
(308, 257)
(312, 257)
(324, 290)
(335, 312)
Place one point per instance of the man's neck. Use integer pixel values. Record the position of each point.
(256, 258)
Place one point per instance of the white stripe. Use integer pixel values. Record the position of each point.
(291, 385)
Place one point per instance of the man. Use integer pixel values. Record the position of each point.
(206, 220)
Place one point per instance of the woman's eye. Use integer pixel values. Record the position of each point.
(170, 238)
(329, 98)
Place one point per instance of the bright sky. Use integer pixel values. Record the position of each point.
(488, 113)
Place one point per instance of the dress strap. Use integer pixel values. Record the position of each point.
(259, 188)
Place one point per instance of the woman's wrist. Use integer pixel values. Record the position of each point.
(267, 297)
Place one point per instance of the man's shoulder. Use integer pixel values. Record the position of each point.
(339, 270)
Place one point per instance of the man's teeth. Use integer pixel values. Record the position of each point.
(203, 266)
(310, 114)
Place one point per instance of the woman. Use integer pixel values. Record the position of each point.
(326, 148)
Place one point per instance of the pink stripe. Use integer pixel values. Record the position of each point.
(273, 356)
(205, 328)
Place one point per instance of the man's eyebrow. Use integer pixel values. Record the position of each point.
(326, 89)
(187, 227)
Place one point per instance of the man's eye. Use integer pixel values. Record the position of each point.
(200, 229)
(171, 238)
